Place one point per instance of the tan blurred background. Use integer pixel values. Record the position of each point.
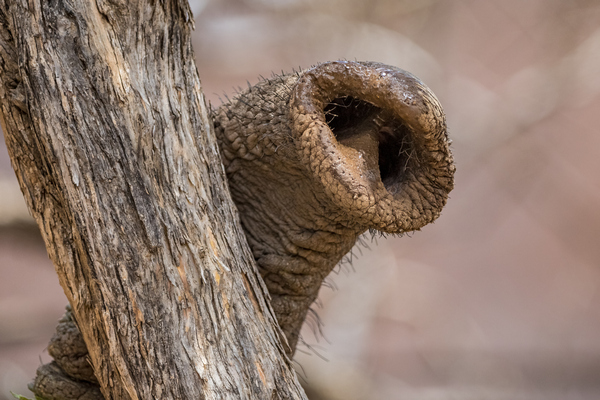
(500, 298)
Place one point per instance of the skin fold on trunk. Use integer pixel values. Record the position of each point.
(313, 160)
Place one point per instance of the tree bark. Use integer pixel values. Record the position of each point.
(110, 139)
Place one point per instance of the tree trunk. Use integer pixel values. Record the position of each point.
(111, 142)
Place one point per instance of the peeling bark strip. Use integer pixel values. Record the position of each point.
(315, 158)
(114, 151)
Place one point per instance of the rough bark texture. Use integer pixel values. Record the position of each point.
(112, 146)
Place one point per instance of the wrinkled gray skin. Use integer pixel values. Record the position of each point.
(313, 160)
(305, 192)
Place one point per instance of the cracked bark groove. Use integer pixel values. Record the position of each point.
(114, 151)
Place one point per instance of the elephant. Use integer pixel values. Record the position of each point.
(313, 159)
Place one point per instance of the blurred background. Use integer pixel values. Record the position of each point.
(499, 299)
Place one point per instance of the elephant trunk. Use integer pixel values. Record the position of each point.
(317, 157)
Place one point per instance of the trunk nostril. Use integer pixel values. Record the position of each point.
(381, 138)
(353, 123)
(344, 112)
(397, 155)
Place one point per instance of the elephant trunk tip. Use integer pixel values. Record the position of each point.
(375, 136)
